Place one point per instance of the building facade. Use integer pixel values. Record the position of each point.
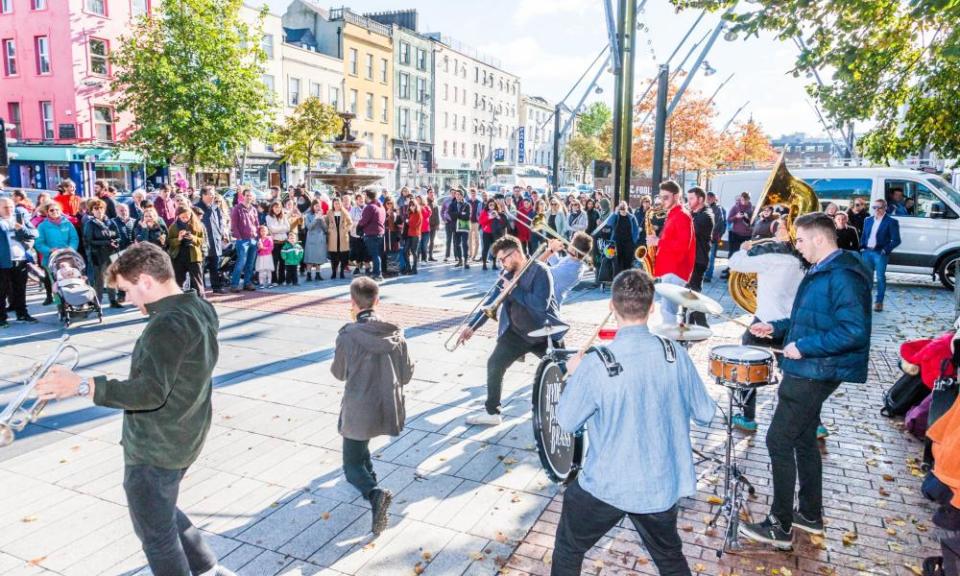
(55, 79)
(412, 95)
(476, 113)
(535, 139)
(366, 50)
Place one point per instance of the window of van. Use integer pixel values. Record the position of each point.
(910, 198)
(840, 191)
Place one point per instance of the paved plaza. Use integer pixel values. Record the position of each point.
(269, 493)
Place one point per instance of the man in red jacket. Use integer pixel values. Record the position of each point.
(676, 246)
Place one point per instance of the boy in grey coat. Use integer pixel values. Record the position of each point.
(371, 357)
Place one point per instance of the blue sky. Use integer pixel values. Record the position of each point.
(549, 43)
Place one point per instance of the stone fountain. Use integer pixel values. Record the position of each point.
(345, 178)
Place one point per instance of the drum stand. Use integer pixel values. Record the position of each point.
(735, 482)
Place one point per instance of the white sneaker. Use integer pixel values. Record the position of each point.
(484, 419)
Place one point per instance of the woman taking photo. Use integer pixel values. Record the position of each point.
(102, 244)
(338, 237)
(624, 233)
(278, 225)
(593, 215)
(186, 241)
(315, 248)
(149, 229)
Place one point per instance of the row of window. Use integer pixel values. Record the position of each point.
(97, 56)
(97, 7)
(479, 102)
(405, 53)
(481, 76)
(368, 66)
(404, 88)
(459, 150)
(403, 123)
(103, 122)
(368, 139)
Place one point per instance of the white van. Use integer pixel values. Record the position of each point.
(930, 234)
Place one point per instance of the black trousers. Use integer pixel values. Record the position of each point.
(358, 467)
(433, 237)
(624, 259)
(338, 259)
(733, 243)
(696, 284)
(793, 449)
(13, 290)
(279, 270)
(411, 253)
(486, 241)
(173, 546)
(450, 228)
(291, 275)
(213, 268)
(461, 246)
(183, 269)
(98, 274)
(585, 519)
(510, 348)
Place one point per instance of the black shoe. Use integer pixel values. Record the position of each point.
(249, 288)
(309, 277)
(356, 271)
(234, 289)
(484, 265)
(26, 318)
(459, 264)
(4, 324)
(807, 525)
(218, 290)
(768, 532)
(47, 301)
(466, 266)
(379, 505)
(341, 275)
(116, 304)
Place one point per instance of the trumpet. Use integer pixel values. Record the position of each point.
(18, 414)
(491, 310)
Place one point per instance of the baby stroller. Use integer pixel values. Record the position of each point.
(73, 295)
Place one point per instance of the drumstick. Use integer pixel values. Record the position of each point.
(590, 342)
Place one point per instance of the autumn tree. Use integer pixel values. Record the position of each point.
(747, 145)
(302, 137)
(581, 151)
(191, 77)
(894, 62)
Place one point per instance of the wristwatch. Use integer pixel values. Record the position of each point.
(84, 388)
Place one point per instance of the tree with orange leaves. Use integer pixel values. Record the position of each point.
(749, 145)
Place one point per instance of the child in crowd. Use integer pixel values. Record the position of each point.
(379, 366)
(264, 265)
(292, 254)
(67, 272)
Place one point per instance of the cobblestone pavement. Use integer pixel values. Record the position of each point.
(268, 491)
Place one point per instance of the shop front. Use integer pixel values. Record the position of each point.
(44, 167)
(385, 169)
(452, 172)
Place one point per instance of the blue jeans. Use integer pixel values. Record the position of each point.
(246, 260)
(708, 275)
(374, 246)
(461, 243)
(877, 262)
(424, 245)
(669, 310)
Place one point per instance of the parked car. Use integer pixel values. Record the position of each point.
(930, 233)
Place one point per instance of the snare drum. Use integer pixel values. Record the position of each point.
(741, 366)
(560, 453)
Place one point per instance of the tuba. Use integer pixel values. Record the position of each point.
(781, 189)
(646, 256)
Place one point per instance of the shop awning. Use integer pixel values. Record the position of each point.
(73, 154)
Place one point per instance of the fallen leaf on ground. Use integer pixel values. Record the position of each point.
(687, 528)
(476, 555)
(37, 561)
(418, 568)
(699, 568)
(849, 538)
(888, 477)
(714, 500)
(892, 531)
(426, 555)
(915, 569)
(28, 519)
(501, 538)
(818, 541)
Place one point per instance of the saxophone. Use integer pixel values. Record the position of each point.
(646, 256)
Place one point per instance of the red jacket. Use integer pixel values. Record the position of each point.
(485, 221)
(929, 356)
(425, 214)
(414, 224)
(69, 204)
(677, 248)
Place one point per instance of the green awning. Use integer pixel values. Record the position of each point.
(73, 154)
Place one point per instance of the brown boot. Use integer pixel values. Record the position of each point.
(878, 307)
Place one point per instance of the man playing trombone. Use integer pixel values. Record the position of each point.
(524, 295)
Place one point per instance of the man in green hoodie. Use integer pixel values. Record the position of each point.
(371, 357)
(166, 404)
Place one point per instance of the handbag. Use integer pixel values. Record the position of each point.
(906, 392)
(944, 393)
(917, 419)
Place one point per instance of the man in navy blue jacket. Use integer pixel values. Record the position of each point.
(530, 306)
(881, 234)
(16, 233)
(213, 224)
(828, 342)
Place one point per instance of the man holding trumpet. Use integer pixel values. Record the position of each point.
(526, 299)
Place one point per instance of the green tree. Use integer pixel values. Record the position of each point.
(894, 62)
(581, 151)
(593, 120)
(192, 78)
(302, 138)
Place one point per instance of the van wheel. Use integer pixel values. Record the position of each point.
(947, 269)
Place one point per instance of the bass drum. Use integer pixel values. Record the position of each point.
(561, 454)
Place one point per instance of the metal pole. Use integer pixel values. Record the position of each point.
(556, 148)
(628, 45)
(618, 104)
(734, 117)
(720, 87)
(696, 66)
(576, 110)
(660, 131)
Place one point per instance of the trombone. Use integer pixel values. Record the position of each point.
(16, 416)
(493, 308)
(547, 233)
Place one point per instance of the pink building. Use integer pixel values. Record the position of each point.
(55, 87)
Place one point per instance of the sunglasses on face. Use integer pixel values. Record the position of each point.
(878, 207)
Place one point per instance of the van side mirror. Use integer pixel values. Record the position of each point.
(937, 210)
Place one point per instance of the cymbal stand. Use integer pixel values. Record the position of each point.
(735, 483)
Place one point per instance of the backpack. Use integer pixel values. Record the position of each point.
(906, 392)
(916, 420)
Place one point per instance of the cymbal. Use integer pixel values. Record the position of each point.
(683, 332)
(687, 298)
(548, 331)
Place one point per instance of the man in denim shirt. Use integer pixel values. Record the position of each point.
(640, 460)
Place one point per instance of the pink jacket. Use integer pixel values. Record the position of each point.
(265, 246)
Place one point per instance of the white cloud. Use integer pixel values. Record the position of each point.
(528, 10)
